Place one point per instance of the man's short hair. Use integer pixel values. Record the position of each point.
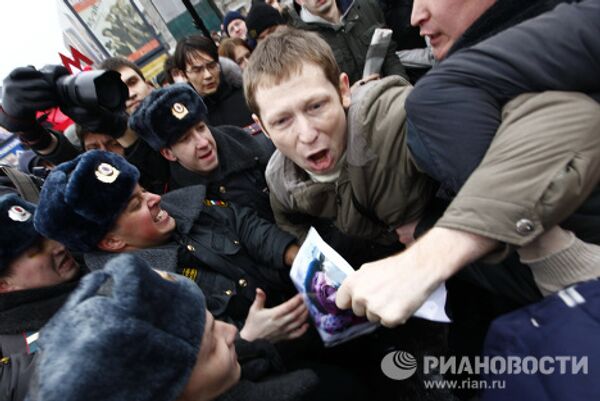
(189, 45)
(282, 54)
(116, 63)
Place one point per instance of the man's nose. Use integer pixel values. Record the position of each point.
(200, 140)
(305, 130)
(419, 13)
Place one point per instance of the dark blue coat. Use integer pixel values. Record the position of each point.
(566, 324)
(454, 111)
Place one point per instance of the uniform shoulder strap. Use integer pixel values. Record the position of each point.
(24, 183)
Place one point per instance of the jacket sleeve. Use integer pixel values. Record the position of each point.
(284, 221)
(263, 239)
(454, 111)
(542, 164)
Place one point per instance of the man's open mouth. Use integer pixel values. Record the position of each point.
(160, 216)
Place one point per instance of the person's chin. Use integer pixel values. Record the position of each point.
(211, 90)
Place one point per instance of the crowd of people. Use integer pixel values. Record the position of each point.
(150, 258)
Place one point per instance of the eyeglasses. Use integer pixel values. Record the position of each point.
(200, 69)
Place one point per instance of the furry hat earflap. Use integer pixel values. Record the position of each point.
(83, 198)
(18, 233)
(166, 114)
(126, 333)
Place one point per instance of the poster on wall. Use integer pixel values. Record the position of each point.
(118, 26)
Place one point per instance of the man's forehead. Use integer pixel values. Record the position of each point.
(97, 137)
(126, 73)
(198, 57)
(305, 73)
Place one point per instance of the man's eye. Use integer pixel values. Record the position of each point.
(281, 122)
(316, 106)
(183, 139)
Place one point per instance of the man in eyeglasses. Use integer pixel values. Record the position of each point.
(197, 56)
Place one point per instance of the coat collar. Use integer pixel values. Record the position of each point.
(500, 16)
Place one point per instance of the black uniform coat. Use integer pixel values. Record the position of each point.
(22, 315)
(228, 251)
(240, 176)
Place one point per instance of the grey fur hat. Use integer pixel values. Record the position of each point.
(126, 333)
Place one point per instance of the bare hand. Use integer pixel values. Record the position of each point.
(390, 290)
(282, 322)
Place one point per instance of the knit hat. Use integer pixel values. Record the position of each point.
(17, 234)
(82, 199)
(230, 17)
(166, 114)
(261, 17)
(126, 333)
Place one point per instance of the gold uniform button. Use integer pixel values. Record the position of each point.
(236, 242)
(243, 283)
(222, 189)
(228, 293)
(191, 248)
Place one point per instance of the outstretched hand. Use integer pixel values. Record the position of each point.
(390, 290)
(282, 322)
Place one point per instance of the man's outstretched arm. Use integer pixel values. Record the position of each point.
(390, 290)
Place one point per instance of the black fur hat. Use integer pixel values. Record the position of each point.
(166, 114)
(261, 17)
(126, 333)
(17, 233)
(82, 199)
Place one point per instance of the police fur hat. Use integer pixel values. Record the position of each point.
(17, 234)
(126, 333)
(229, 18)
(166, 114)
(82, 199)
(261, 17)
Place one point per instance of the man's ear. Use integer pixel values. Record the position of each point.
(167, 153)
(345, 93)
(5, 286)
(257, 121)
(111, 243)
(299, 2)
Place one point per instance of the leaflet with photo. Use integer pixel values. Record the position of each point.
(318, 271)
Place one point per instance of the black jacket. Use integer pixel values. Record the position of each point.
(22, 315)
(228, 251)
(227, 106)
(454, 111)
(240, 176)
